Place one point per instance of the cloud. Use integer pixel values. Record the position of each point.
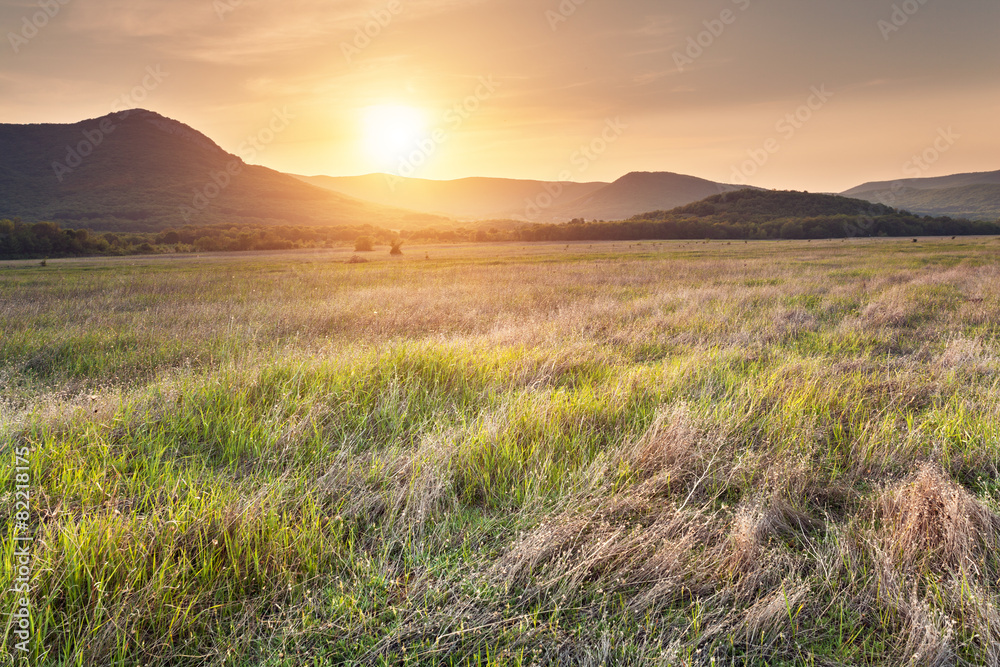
(238, 32)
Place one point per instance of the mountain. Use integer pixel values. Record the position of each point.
(534, 201)
(639, 192)
(140, 171)
(763, 214)
(750, 205)
(975, 196)
(466, 198)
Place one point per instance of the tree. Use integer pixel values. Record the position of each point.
(397, 247)
(364, 244)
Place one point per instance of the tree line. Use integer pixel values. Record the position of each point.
(703, 220)
(820, 227)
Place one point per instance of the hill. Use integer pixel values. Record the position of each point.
(757, 206)
(140, 171)
(466, 198)
(975, 195)
(765, 214)
(534, 201)
(637, 192)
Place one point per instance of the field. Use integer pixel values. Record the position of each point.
(768, 453)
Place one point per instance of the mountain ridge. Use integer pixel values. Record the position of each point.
(974, 195)
(138, 170)
(639, 192)
(482, 198)
(470, 198)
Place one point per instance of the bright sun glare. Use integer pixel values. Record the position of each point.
(392, 130)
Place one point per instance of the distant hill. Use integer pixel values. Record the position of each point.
(465, 199)
(764, 214)
(150, 172)
(751, 206)
(533, 201)
(975, 196)
(638, 192)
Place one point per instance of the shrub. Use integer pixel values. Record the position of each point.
(364, 244)
(397, 247)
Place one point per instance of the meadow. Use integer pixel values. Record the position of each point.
(657, 453)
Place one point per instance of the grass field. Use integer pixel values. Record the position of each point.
(609, 454)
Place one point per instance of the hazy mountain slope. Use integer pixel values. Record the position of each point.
(640, 192)
(975, 195)
(466, 198)
(763, 214)
(150, 172)
(936, 183)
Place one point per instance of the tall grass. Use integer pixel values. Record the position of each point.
(672, 453)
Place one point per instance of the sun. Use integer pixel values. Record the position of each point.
(391, 131)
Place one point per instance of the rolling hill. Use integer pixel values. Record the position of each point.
(975, 196)
(533, 201)
(764, 214)
(465, 199)
(639, 192)
(140, 171)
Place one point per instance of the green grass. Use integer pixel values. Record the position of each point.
(765, 453)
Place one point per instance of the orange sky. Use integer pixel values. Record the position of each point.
(798, 94)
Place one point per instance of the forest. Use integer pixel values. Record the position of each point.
(742, 215)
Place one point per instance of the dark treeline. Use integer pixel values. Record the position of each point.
(744, 214)
(764, 214)
(822, 227)
(20, 240)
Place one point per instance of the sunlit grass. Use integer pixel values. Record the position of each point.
(653, 453)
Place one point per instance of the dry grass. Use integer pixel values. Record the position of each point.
(774, 453)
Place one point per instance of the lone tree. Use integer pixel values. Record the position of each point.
(397, 247)
(364, 244)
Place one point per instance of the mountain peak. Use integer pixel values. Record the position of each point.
(139, 170)
(651, 174)
(641, 191)
(140, 117)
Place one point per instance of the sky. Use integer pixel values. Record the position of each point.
(790, 94)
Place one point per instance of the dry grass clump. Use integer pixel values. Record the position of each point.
(658, 531)
(933, 551)
(624, 544)
(749, 562)
(403, 490)
(969, 356)
(671, 451)
(931, 524)
(634, 533)
(888, 313)
(795, 322)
